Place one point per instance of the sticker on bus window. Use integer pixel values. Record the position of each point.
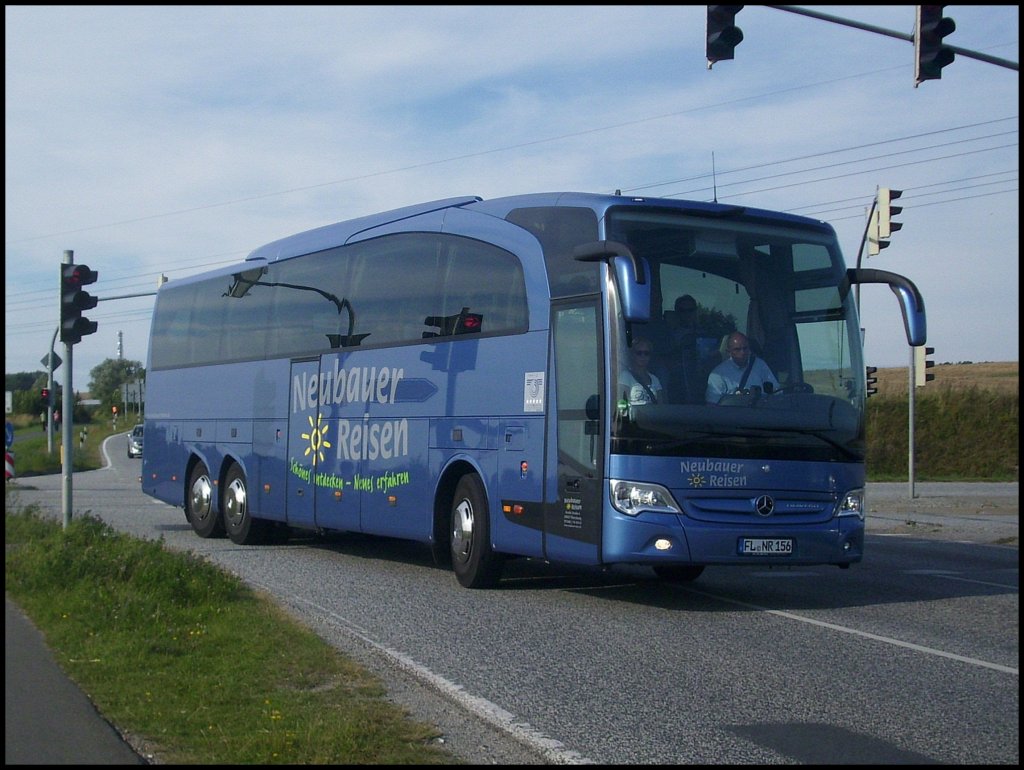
(533, 392)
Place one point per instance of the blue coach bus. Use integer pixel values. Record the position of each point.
(451, 373)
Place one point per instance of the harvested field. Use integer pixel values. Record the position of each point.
(999, 376)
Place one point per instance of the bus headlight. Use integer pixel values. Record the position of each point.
(852, 504)
(632, 497)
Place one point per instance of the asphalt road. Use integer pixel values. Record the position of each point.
(410, 650)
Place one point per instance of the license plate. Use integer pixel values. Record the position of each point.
(766, 546)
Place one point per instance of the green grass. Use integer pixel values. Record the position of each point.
(960, 434)
(31, 457)
(187, 658)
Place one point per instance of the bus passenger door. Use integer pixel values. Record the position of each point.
(304, 443)
(322, 479)
(572, 523)
(331, 443)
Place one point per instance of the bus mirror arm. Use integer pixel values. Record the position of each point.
(604, 251)
(630, 274)
(911, 300)
(242, 282)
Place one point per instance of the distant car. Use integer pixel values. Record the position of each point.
(135, 442)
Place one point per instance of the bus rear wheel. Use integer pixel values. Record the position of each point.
(241, 527)
(475, 563)
(199, 508)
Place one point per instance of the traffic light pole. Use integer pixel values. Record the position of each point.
(898, 35)
(67, 427)
(860, 251)
(910, 435)
(49, 400)
(73, 326)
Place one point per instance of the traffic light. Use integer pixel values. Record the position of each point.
(871, 387)
(930, 55)
(886, 211)
(881, 227)
(463, 322)
(44, 394)
(723, 35)
(922, 364)
(73, 300)
(875, 242)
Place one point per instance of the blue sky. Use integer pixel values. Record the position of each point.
(170, 140)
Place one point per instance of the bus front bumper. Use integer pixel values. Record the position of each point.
(668, 539)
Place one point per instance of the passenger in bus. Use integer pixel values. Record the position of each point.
(741, 372)
(685, 381)
(637, 382)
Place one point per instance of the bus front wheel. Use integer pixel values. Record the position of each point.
(199, 508)
(475, 563)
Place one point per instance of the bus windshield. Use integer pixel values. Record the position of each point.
(751, 349)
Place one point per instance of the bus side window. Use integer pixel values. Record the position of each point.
(392, 286)
(473, 271)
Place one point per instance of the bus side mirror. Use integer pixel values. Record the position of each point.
(634, 295)
(911, 302)
(632, 276)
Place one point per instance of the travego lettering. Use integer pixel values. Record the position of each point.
(362, 384)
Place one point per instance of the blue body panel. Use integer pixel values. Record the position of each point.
(365, 439)
(719, 498)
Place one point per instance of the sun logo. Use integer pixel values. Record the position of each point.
(696, 480)
(316, 438)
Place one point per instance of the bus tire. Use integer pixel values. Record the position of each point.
(475, 563)
(241, 527)
(199, 508)
(680, 573)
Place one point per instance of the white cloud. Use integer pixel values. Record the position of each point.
(169, 138)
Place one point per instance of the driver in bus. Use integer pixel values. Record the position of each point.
(741, 372)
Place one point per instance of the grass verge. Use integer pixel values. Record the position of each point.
(192, 663)
(31, 453)
(965, 434)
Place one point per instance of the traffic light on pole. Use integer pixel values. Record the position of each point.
(930, 55)
(723, 35)
(886, 211)
(875, 242)
(871, 382)
(73, 301)
(44, 394)
(881, 227)
(922, 364)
